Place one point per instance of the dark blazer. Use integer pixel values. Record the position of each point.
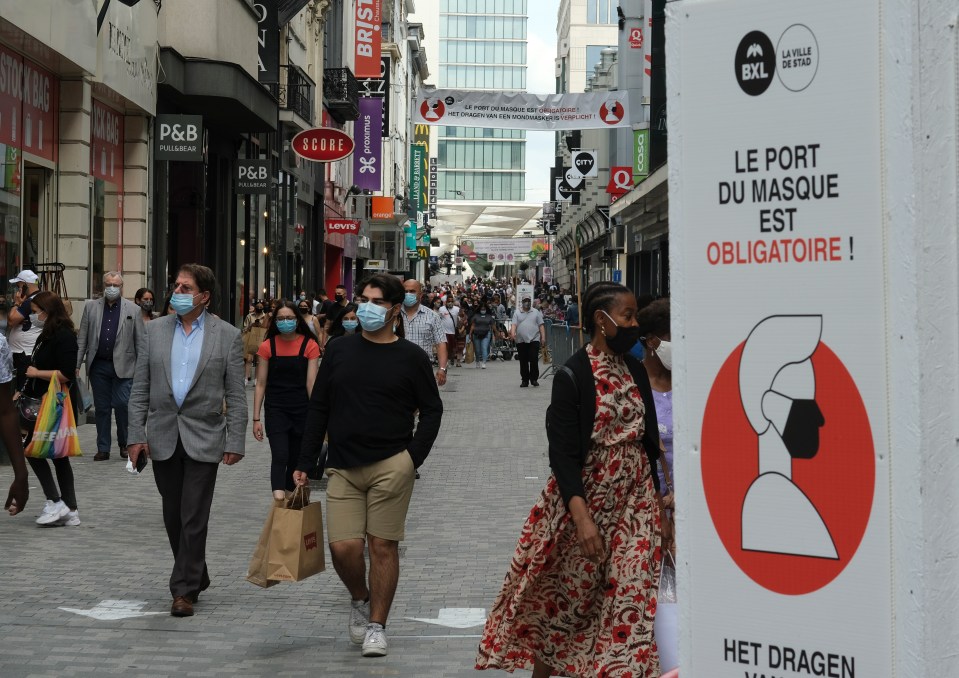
(570, 419)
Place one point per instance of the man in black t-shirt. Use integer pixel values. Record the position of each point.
(365, 398)
(335, 313)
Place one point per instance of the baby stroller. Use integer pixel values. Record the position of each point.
(502, 346)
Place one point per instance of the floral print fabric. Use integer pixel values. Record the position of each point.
(588, 619)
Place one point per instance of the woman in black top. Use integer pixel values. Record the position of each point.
(580, 595)
(481, 327)
(55, 353)
(289, 360)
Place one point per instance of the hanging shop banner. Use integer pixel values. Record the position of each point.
(640, 154)
(253, 176)
(521, 110)
(505, 249)
(785, 453)
(379, 88)
(268, 40)
(367, 39)
(368, 156)
(417, 197)
(106, 141)
(28, 106)
(344, 226)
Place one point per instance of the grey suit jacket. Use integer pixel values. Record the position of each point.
(206, 428)
(128, 333)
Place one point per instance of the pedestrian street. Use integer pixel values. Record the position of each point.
(93, 600)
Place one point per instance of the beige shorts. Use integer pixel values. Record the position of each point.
(370, 499)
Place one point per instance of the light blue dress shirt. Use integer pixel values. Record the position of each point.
(185, 356)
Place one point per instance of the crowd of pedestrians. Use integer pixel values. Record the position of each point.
(349, 386)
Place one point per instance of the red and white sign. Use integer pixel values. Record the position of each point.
(322, 144)
(367, 39)
(28, 106)
(612, 112)
(432, 109)
(347, 226)
(636, 37)
(620, 181)
(106, 138)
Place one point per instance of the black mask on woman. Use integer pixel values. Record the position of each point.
(624, 339)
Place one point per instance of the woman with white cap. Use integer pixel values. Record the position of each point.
(21, 334)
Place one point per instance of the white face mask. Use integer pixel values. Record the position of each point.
(665, 354)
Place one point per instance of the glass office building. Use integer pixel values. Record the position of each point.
(482, 46)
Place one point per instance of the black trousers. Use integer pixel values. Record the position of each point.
(67, 491)
(528, 361)
(186, 486)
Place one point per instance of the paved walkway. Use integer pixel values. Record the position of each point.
(485, 471)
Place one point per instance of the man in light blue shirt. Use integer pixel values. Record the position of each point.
(185, 355)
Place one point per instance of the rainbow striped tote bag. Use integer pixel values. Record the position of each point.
(55, 433)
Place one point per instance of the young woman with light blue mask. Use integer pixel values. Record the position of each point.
(289, 360)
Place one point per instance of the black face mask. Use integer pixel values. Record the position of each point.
(339, 297)
(801, 434)
(625, 339)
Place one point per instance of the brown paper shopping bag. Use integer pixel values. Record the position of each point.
(296, 540)
(256, 573)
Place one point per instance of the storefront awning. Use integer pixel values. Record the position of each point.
(227, 97)
(289, 9)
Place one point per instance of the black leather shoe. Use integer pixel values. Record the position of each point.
(101, 456)
(525, 384)
(123, 453)
(535, 383)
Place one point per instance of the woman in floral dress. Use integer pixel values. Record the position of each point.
(579, 599)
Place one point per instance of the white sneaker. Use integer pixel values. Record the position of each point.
(52, 513)
(483, 365)
(359, 620)
(72, 519)
(374, 644)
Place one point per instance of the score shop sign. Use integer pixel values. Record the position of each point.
(784, 461)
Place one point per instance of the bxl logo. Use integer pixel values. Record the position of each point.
(755, 63)
(178, 132)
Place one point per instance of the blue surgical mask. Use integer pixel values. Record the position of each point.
(286, 325)
(371, 316)
(182, 303)
(410, 299)
(351, 325)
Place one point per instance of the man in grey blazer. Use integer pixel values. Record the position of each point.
(188, 366)
(107, 342)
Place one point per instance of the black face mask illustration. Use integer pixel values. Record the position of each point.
(801, 433)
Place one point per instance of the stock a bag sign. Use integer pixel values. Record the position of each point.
(783, 458)
(179, 137)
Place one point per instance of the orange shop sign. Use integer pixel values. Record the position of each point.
(383, 207)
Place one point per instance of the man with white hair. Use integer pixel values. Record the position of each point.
(108, 343)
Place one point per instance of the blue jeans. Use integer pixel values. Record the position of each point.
(110, 393)
(481, 347)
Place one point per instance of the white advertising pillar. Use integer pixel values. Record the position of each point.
(815, 280)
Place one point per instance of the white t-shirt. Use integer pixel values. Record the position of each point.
(450, 317)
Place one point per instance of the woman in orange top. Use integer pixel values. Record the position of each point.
(289, 360)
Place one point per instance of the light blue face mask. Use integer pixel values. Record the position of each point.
(351, 325)
(410, 299)
(371, 316)
(286, 326)
(182, 303)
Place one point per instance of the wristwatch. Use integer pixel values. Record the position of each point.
(445, 370)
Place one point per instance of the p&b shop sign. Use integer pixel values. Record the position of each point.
(179, 137)
(252, 176)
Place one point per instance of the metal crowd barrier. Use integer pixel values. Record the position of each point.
(563, 341)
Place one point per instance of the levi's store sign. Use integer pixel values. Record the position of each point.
(346, 226)
(106, 137)
(28, 106)
(367, 39)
